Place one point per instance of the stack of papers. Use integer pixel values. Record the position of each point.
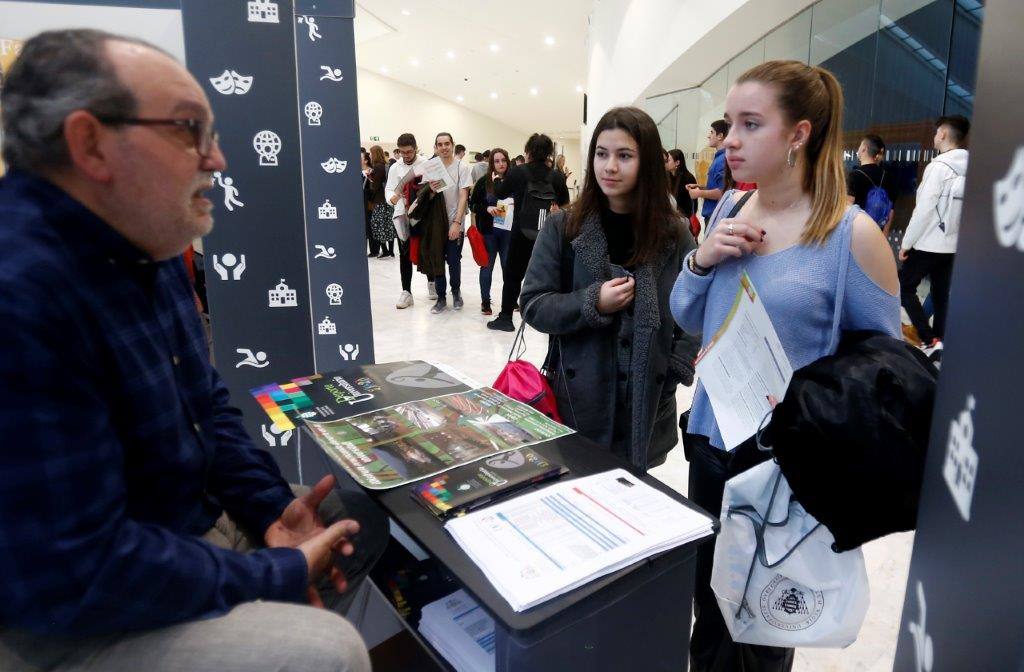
(461, 631)
(550, 541)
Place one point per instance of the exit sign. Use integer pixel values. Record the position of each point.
(374, 138)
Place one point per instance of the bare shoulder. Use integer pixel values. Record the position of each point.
(873, 254)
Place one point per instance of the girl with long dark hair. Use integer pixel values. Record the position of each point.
(679, 176)
(484, 203)
(599, 282)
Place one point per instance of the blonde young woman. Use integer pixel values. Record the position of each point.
(810, 255)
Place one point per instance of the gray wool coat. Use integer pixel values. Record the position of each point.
(588, 349)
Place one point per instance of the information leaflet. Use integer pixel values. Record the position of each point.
(547, 542)
(742, 366)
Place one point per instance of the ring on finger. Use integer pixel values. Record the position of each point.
(729, 227)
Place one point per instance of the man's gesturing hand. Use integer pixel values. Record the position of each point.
(320, 551)
(300, 527)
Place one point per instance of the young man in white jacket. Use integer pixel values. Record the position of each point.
(393, 194)
(929, 242)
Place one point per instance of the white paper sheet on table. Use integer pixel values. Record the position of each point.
(742, 365)
(550, 541)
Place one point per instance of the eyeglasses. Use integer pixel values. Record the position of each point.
(203, 135)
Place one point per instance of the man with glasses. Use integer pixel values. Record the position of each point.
(393, 193)
(141, 528)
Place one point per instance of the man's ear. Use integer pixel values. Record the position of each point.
(85, 138)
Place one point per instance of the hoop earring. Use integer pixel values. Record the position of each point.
(790, 158)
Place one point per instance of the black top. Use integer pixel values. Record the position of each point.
(863, 178)
(684, 204)
(377, 178)
(479, 201)
(517, 178)
(618, 229)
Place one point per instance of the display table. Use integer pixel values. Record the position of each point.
(637, 618)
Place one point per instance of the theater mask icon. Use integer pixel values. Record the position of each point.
(230, 82)
(1008, 206)
(334, 165)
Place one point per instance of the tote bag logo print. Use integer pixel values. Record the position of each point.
(787, 605)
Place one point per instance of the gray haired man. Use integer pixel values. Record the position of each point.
(141, 528)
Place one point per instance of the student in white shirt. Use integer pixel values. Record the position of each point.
(929, 242)
(455, 199)
(409, 160)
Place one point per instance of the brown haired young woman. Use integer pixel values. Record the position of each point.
(819, 265)
(599, 281)
(483, 201)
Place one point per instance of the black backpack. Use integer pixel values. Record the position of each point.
(540, 196)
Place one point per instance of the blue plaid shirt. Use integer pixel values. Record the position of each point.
(119, 447)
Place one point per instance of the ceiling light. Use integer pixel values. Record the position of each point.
(384, 69)
(550, 41)
(533, 91)
(450, 54)
(494, 47)
(579, 88)
(459, 98)
(494, 95)
(406, 12)
(415, 62)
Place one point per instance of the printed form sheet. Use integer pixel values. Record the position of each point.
(545, 543)
(742, 365)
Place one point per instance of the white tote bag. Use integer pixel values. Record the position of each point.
(777, 580)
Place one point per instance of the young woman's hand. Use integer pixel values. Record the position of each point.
(615, 295)
(493, 211)
(731, 238)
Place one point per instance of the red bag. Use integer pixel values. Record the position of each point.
(479, 247)
(694, 226)
(522, 381)
(414, 249)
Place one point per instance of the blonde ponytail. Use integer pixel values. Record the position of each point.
(813, 93)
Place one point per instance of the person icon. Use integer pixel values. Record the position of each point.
(348, 352)
(257, 361)
(333, 74)
(325, 252)
(275, 434)
(230, 191)
(314, 30)
(228, 263)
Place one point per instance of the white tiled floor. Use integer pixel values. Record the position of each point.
(462, 340)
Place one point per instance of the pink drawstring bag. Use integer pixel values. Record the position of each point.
(523, 382)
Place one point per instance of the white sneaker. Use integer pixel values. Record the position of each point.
(431, 291)
(404, 300)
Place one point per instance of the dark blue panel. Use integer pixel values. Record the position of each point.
(254, 40)
(334, 200)
(146, 4)
(965, 588)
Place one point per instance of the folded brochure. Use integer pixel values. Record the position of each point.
(476, 485)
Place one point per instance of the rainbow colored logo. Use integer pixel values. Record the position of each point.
(279, 399)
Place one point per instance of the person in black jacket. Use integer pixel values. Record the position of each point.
(539, 149)
(679, 177)
(599, 283)
(483, 202)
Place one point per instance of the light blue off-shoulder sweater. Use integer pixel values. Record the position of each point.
(799, 287)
